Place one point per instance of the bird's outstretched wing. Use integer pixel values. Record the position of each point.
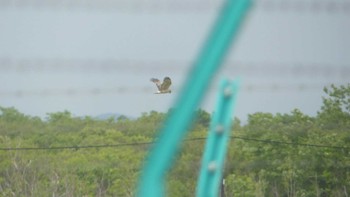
(166, 84)
(157, 82)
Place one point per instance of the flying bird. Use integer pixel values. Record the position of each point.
(163, 88)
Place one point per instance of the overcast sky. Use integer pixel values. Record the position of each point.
(94, 57)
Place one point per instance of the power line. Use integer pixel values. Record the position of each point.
(108, 66)
(77, 147)
(172, 6)
(304, 6)
(267, 141)
(291, 143)
(119, 90)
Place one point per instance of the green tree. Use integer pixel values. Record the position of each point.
(336, 106)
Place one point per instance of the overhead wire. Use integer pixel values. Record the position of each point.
(106, 66)
(290, 143)
(76, 147)
(158, 6)
(119, 90)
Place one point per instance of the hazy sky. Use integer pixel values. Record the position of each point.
(94, 57)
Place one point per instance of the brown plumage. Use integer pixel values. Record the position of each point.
(163, 88)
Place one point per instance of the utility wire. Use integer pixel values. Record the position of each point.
(291, 143)
(77, 147)
(108, 66)
(120, 90)
(178, 6)
(267, 141)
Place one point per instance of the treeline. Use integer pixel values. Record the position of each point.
(271, 155)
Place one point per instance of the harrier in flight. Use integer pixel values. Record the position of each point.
(163, 88)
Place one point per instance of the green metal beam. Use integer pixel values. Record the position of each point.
(177, 123)
(217, 142)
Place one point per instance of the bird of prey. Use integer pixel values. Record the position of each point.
(163, 88)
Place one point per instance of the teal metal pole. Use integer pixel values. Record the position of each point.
(217, 142)
(163, 152)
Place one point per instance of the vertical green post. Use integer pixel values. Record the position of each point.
(218, 139)
(177, 123)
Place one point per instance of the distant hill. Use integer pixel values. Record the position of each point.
(107, 116)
